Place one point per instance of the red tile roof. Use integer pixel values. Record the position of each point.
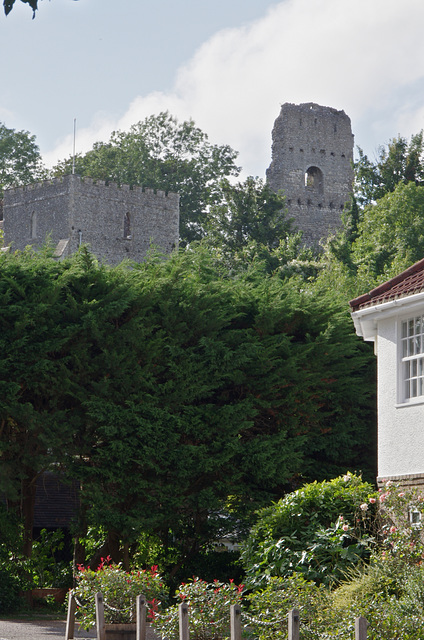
(405, 284)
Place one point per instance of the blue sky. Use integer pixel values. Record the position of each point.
(228, 64)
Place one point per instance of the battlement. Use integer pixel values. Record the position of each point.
(89, 182)
(117, 222)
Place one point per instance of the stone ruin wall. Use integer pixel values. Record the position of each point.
(312, 157)
(115, 222)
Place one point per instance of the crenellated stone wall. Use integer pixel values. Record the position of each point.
(116, 222)
(312, 158)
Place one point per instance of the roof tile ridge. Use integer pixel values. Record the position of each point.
(385, 286)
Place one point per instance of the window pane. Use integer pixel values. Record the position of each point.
(414, 369)
(404, 329)
(404, 348)
(410, 327)
(414, 388)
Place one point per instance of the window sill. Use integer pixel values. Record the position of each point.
(410, 403)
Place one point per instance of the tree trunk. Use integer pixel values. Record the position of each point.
(28, 489)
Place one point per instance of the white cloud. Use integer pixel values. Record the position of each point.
(363, 56)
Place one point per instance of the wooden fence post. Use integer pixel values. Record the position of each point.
(294, 623)
(70, 619)
(183, 621)
(235, 622)
(100, 617)
(361, 625)
(140, 607)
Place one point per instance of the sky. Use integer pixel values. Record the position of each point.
(227, 64)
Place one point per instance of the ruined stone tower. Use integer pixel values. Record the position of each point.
(312, 154)
(115, 222)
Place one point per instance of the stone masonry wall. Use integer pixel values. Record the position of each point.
(312, 155)
(116, 222)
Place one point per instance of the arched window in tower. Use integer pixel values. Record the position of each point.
(127, 226)
(314, 180)
(33, 225)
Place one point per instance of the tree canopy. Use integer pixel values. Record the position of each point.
(171, 387)
(8, 5)
(20, 159)
(399, 161)
(162, 153)
(382, 230)
(248, 212)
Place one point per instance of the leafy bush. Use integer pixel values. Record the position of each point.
(319, 530)
(10, 586)
(119, 589)
(269, 607)
(400, 537)
(208, 609)
(46, 571)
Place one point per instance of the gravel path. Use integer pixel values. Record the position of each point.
(47, 630)
(39, 630)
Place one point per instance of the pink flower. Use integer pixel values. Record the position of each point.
(392, 529)
(383, 497)
(364, 507)
(401, 494)
(373, 500)
(345, 527)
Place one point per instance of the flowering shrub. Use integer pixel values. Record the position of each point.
(401, 538)
(119, 589)
(320, 530)
(208, 610)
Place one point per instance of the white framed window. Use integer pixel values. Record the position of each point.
(415, 518)
(412, 357)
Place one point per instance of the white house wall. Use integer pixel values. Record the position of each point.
(400, 426)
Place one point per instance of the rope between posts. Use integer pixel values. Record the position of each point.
(251, 619)
(107, 606)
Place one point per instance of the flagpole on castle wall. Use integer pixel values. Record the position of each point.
(73, 149)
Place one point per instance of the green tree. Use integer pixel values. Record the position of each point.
(47, 308)
(20, 160)
(249, 211)
(400, 161)
(173, 392)
(390, 235)
(232, 388)
(162, 153)
(8, 5)
(381, 233)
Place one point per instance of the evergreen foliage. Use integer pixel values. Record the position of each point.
(169, 387)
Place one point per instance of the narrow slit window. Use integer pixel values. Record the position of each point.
(33, 225)
(127, 226)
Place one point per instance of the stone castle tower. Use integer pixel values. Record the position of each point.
(115, 222)
(312, 156)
